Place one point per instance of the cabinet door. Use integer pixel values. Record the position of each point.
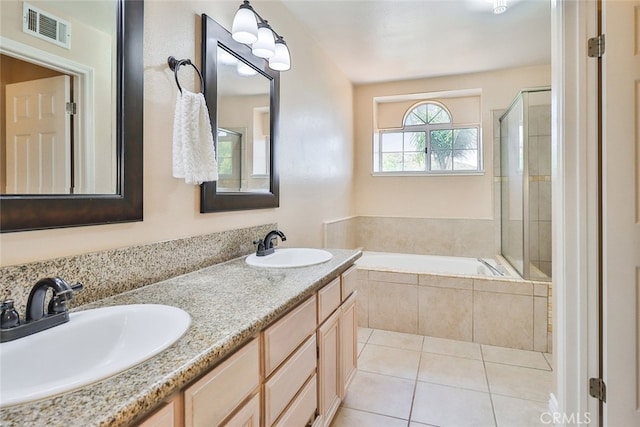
(329, 367)
(168, 415)
(248, 416)
(215, 396)
(349, 282)
(348, 342)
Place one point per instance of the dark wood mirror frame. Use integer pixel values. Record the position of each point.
(33, 212)
(214, 35)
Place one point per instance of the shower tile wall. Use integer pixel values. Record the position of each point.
(539, 153)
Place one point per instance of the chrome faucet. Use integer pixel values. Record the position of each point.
(265, 246)
(36, 318)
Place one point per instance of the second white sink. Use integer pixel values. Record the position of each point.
(92, 345)
(290, 258)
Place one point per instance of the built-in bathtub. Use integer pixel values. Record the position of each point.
(453, 297)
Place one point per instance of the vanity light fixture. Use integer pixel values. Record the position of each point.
(499, 6)
(250, 28)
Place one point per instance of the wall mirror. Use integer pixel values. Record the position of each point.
(83, 165)
(242, 94)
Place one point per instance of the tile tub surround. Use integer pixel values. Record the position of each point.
(229, 303)
(115, 271)
(503, 312)
(436, 236)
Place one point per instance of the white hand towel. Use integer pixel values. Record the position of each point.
(194, 157)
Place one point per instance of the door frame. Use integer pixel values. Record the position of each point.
(83, 88)
(575, 209)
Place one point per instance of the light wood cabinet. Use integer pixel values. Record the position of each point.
(215, 396)
(294, 374)
(282, 388)
(168, 415)
(329, 368)
(348, 343)
(283, 337)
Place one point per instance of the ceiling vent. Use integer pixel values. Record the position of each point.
(46, 26)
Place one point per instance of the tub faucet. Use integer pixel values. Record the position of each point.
(36, 319)
(265, 246)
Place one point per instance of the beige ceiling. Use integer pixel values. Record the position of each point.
(385, 40)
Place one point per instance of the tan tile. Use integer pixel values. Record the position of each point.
(364, 334)
(393, 307)
(540, 323)
(511, 411)
(445, 281)
(515, 287)
(453, 371)
(397, 339)
(445, 313)
(448, 347)
(388, 276)
(362, 304)
(549, 358)
(360, 348)
(440, 405)
(380, 394)
(391, 361)
(346, 417)
(503, 320)
(516, 381)
(515, 357)
(540, 289)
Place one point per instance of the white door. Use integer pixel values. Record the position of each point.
(621, 216)
(38, 137)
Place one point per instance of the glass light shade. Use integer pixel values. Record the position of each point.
(499, 6)
(265, 47)
(281, 61)
(245, 26)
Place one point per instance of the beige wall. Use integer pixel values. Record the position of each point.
(435, 196)
(316, 148)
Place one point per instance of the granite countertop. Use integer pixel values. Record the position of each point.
(229, 303)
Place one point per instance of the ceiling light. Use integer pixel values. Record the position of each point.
(499, 6)
(250, 28)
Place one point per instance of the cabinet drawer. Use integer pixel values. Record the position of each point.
(349, 282)
(328, 299)
(280, 389)
(282, 338)
(212, 398)
(168, 415)
(248, 416)
(303, 409)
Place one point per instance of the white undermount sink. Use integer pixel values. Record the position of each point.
(290, 257)
(92, 345)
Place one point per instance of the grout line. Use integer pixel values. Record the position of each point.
(415, 386)
(486, 378)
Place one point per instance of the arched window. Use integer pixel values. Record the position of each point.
(428, 142)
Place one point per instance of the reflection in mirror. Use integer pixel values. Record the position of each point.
(242, 94)
(58, 88)
(106, 181)
(243, 126)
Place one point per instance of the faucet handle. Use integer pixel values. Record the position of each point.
(9, 318)
(58, 303)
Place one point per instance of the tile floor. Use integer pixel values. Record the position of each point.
(412, 381)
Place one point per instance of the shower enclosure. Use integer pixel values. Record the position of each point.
(525, 165)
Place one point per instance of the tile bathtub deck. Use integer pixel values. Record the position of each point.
(413, 380)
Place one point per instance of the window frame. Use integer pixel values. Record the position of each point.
(427, 129)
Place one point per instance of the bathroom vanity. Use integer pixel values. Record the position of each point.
(266, 346)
